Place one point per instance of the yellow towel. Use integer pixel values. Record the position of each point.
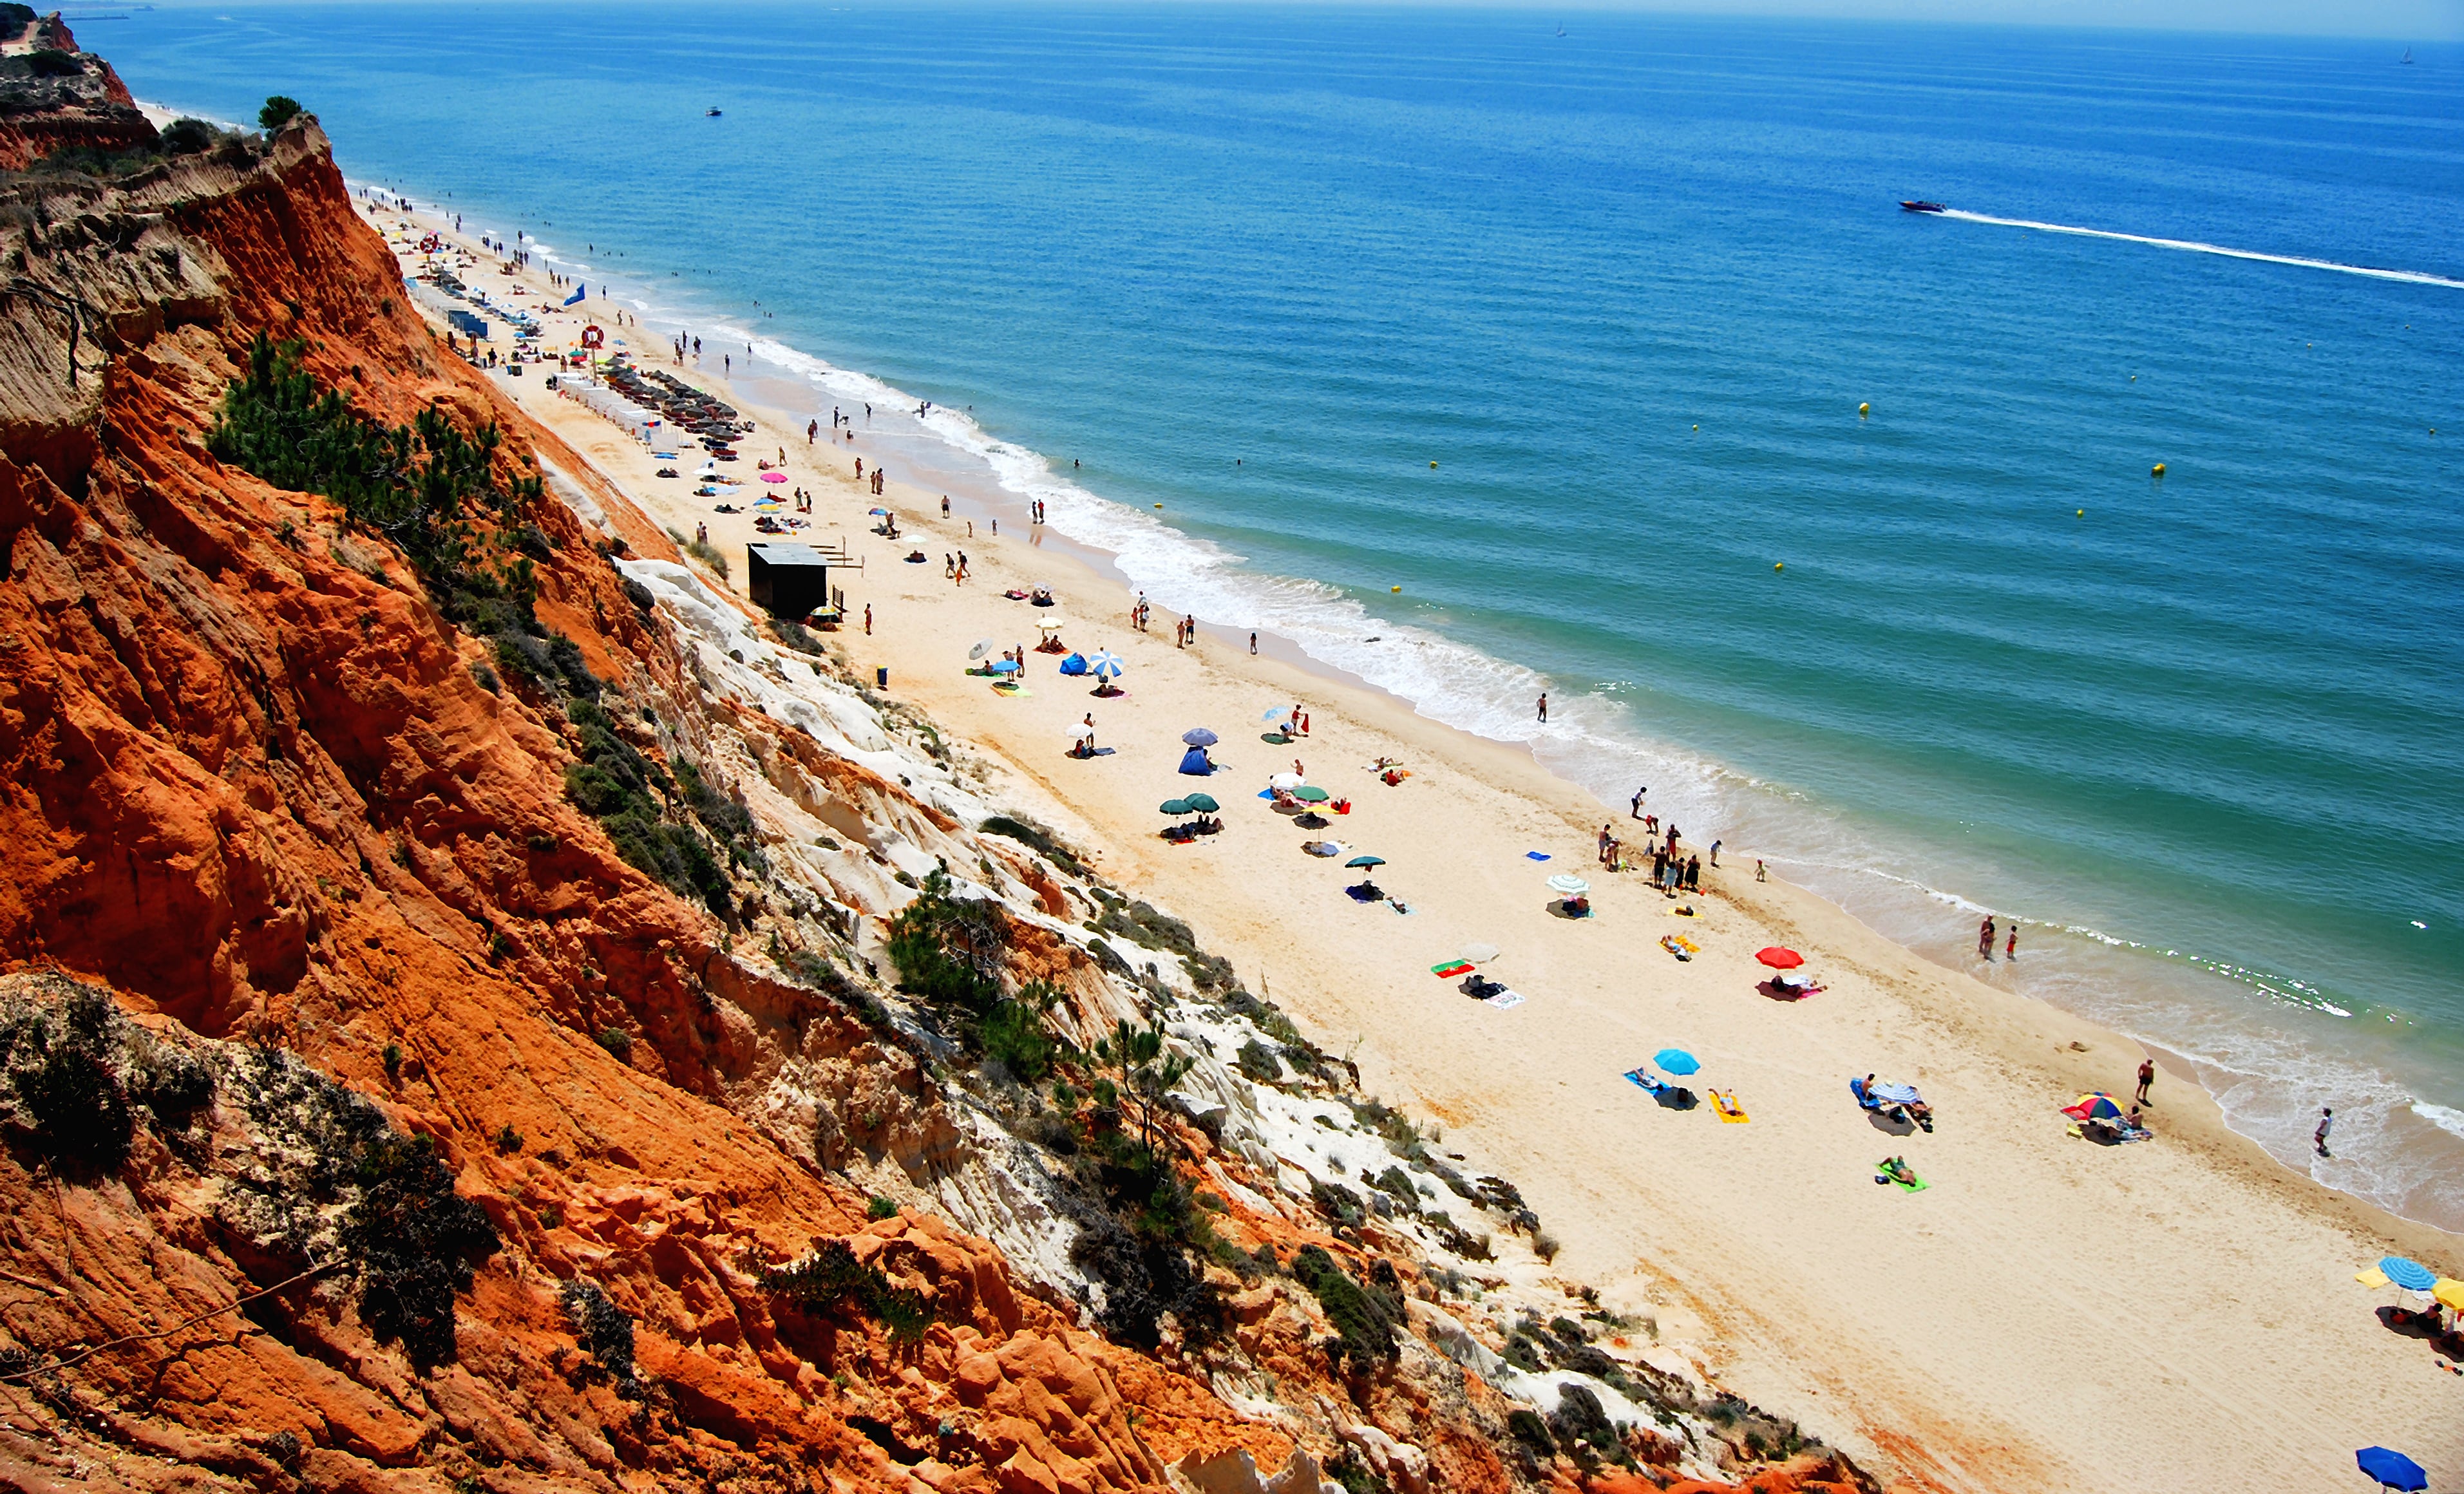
(1730, 1115)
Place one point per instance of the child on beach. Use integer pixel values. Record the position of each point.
(2326, 1124)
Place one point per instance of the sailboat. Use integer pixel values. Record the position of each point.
(2405, 59)
(1561, 31)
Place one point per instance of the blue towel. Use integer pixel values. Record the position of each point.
(1537, 855)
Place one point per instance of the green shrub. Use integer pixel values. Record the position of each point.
(1259, 1063)
(415, 1239)
(1036, 838)
(186, 137)
(604, 1330)
(279, 110)
(52, 62)
(880, 1208)
(830, 1279)
(618, 1042)
(948, 950)
(1364, 1318)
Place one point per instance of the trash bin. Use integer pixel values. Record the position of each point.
(881, 678)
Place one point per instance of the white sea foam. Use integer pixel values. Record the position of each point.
(2193, 246)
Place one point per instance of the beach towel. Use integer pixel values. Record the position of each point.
(1536, 855)
(1398, 905)
(1727, 1105)
(1644, 1080)
(1452, 968)
(1507, 1000)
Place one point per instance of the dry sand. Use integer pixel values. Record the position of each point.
(2049, 1314)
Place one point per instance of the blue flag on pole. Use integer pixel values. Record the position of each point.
(580, 291)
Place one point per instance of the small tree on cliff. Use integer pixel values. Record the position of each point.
(278, 111)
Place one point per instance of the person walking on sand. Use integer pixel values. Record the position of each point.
(1760, 875)
(1985, 938)
(1544, 708)
(945, 505)
(867, 619)
(2326, 1124)
(2146, 1077)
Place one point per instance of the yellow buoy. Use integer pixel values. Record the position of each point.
(2083, 513)
(1698, 427)
(1863, 411)
(1394, 588)
(1159, 505)
(1779, 565)
(2158, 471)
(1433, 466)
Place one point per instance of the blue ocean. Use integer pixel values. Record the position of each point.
(1607, 341)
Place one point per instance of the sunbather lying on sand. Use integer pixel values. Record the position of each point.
(1895, 1170)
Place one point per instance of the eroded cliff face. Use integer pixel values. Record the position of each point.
(310, 929)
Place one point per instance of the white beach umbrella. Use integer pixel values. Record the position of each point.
(1284, 780)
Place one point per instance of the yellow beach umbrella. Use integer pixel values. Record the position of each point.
(2449, 1293)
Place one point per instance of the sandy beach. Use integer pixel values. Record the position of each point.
(2046, 1314)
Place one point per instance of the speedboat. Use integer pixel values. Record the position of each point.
(1922, 206)
(709, 113)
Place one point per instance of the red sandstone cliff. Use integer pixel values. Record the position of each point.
(259, 790)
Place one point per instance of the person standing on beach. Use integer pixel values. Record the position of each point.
(1253, 642)
(812, 431)
(2010, 949)
(1693, 873)
(1760, 875)
(2146, 1077)
(1636, 802)
(1544, 708)
(1715, 853)
(867, 619)
(2326, 1124)
(1985, 938)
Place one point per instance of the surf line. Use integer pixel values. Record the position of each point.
(2191, 246)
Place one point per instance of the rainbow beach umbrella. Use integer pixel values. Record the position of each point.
(2099, 1106)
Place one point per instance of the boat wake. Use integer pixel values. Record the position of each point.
(2193, 246)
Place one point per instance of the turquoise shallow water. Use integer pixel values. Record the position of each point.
(1627, 287)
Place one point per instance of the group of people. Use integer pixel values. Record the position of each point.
(955, 567)
(1985, 940)
(1185, 631)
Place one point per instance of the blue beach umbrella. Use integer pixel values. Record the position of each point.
(1677, 1060)
(1104, 666)
(1004, 665)
(2390, 1469)
(1199, 736)
(2411, 1275)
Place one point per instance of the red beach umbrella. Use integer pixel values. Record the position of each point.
(1779, 959)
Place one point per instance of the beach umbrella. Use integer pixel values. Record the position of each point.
(1203, 803)
(1199, 736)
(1571, 886)
(1050, 624)
(1284, 780)
(878, 512)
(1779, 959)
(1366, 861)
(1311, 794)
(1273, 713)
(2411, 1275)
(983, 646)
(1081, 732)
(1677, 1060)
(2099, 1106)
(1174, 807)
(774, 477)
(1004, 665)
(1479, 953)
(2390, 1469)
(1105, 665)
(1898, 1094)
